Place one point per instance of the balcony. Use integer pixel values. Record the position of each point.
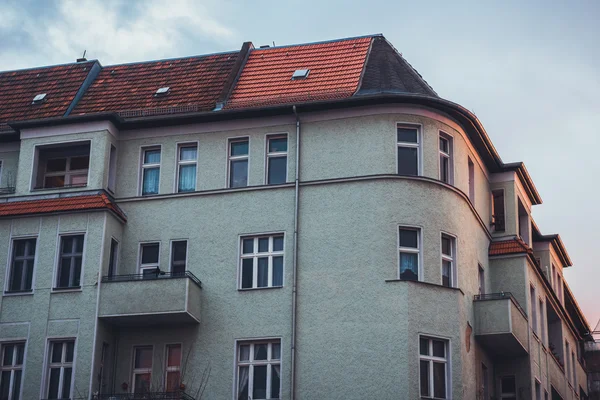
(144, 396)
(501, 325)
(160, 298)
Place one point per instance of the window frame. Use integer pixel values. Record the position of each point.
(144, 166)
(493, 207)
(111, 183)
(141, 267)
(179, 163)
(533, 306)
(471, 171)
(542, 320)
(431, 359)
(58, 264)
(231, 158)
(446, 155)
(48, 364)
(8, 274)
(418, 145)
(140, 371)
(68, 173)
(171, 253)
(113, 259)
(481, 279)
(277, 154)
(251, 363)
(166, 362)
(411, 250)
(255, 255)
(453, 258)
(13, 367)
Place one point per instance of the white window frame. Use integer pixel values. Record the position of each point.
(152, 266)
(446, 155)
(181, 163)
(447, 361)
(9, 270)
(231, 158)
(144, 166)
(418, 251)
(276, 154)
(251, 363)
(68, 173)
(452, 258)
(417, 145)
(58, 262)
(62, 365)
(13, 368)
(255, 255)
(172, 368)
(187, 253)
(140, 371)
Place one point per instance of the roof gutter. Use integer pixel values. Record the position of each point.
(295, 260)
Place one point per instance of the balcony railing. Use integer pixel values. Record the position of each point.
(149, 276)
(499, 223)
(500, 296)
(7, 190)
(144, 396)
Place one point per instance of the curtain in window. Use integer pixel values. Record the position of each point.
(187, 178)
(151, 176)
(243, 384)
(275, 381)
(409, 266)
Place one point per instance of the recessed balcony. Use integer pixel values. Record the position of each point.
(160, 298)
(501, 324)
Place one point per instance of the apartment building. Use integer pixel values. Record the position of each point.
(296, 222)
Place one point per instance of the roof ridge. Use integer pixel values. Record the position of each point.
(171, 59)
(321, 42)
(49, 66)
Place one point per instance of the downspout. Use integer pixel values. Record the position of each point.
(295, 262)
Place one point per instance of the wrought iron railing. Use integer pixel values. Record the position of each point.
(144, 396)
(150, 276)
(500, 296)
(499, 223)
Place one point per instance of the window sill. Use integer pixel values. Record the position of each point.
(67, 289)
(259, 288)
(18, 293)
(426, 284)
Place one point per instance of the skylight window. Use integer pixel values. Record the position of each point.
(39, 98)
(300, 74)
(162, 91)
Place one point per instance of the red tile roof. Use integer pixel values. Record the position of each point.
(64, 204)
(60, 83)
(194, 82)
(511, 246)
(335, 71)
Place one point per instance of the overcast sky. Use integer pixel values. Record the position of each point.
(529, 70)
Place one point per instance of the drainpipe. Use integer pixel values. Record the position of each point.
(295, 262)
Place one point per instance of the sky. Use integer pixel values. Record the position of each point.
(529, 70)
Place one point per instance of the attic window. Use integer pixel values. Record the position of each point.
(39, 98)
(163, 91)
(300, 74)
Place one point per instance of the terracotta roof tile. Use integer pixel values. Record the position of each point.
(511, 246)
(75, 203)
(193, 81)
(335, 70)
(60, 83)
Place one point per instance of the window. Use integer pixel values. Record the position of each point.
(409, 248)
(142, 369)
(471, 181)
(523, 223)
(149, 259)
(481, 280)
(277, 147)
(573, 372)
(508, 388)
(448, 261)
(173, 368)
(112, 169)
(542, 322)
(568, 361)
(555, 394)
(21, 267)
(238, 162)
(538, 391)
(446, 158)
(433, 367)
(112, 262)
(262, 262)
(259, 370)
(150, 170)
(62, 165)
(102, 372)
(186, 168)
(178, 256)
(60, 369)
(69, 267)
(485, 382)
(408, 150)
(533, 309)
(498, 220)
(12, 370)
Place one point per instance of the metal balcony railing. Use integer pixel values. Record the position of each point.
(144, 396)
(499, 223)
(500, 296)
(151, 276)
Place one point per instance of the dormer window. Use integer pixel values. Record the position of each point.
(163, 91)
(300, 74)
(39, 98)
(62, 165)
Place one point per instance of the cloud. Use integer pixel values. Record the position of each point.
(112, 31)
